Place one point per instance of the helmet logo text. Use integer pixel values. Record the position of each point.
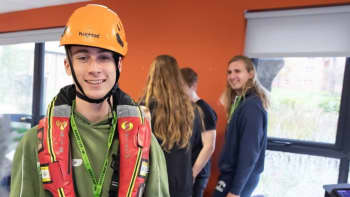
(86, 34)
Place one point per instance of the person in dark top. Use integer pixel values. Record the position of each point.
(243, 154)
(175, 121)
(203, 146)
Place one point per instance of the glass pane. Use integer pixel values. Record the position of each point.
(16, 89)
(305, 96)
(55, 74)
(290, 175)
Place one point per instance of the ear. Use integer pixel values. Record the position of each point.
(187, 90)
(194, 86)
(67, 67)
(120, 64)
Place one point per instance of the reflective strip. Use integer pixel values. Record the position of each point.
(49, 134)
(134, 174)
(62, 111)
(61, 192)
(127, 111)
(141, 115)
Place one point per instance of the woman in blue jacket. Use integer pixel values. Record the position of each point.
(243, 154)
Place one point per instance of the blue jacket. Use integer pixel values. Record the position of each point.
(243, 153)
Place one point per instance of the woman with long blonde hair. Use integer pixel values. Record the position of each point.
(173, 121)
(243, 154)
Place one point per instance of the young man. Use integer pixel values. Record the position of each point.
(94, 140)
(202, 148)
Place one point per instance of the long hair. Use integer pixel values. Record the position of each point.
(172, 113)
(252, 84)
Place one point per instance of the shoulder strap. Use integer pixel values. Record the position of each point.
(134, 134)
(53, 147)
(54, 151)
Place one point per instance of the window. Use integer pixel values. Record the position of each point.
(302, 58)
(55, 74)
(290, 175)
(16, 77)
(18, 52)
(16, 82)
(305, 96)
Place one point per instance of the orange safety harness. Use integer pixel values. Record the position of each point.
(134, 135)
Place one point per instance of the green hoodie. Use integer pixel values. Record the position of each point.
(26, 177)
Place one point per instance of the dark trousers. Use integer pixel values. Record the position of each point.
(199, 186)
(224, 185)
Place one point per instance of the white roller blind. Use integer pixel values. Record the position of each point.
(312, 32)
(43, 35)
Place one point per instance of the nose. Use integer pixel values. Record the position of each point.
(230, 76)
(94, 66)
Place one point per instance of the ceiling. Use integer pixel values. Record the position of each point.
(16, 5)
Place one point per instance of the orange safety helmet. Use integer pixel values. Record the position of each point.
(97, 26)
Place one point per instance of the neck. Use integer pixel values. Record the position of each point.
(193, 95)
(94, 112)
(238, 92)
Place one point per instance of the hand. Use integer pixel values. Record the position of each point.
(194, 175)
(193, 178)
(231, 195)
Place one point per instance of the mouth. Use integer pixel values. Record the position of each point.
(233, 81)
(95, 82)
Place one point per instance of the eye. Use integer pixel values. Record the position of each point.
(229, 72)
(81, 58)
(105, 57)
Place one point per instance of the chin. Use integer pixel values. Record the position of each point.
(237, 88)
(96, 95)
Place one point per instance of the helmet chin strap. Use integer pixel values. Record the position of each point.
(81, 94)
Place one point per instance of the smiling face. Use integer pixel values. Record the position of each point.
(238, 75)
(94, 68)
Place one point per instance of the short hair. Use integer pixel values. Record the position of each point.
(189, 76)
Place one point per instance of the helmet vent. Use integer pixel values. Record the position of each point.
(64, 31)
(120, 41)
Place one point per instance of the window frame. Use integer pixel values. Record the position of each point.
(340, 149)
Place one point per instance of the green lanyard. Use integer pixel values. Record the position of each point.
(233, 107)
(97, 182)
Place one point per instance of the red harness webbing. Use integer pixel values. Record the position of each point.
(56, 162)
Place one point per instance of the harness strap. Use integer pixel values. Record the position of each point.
(134, 134)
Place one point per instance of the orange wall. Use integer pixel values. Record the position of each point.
(201, 34)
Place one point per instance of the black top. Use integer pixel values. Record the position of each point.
(210, 116)
(209, 119)
(179, 165)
